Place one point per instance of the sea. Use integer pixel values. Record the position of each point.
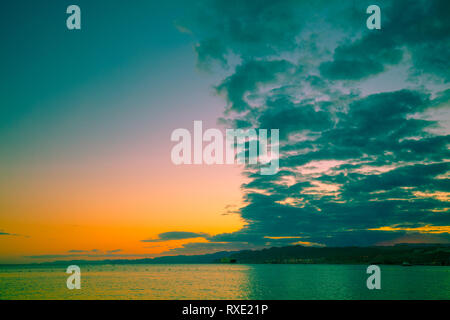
(224, 281)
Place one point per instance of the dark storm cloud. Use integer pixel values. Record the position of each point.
(351, 164)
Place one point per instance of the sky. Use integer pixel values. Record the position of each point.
(86, 117)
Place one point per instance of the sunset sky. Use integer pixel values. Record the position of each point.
(86, 117)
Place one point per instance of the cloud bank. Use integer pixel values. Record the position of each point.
(362, 117)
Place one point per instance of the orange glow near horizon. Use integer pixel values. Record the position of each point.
(110, 205)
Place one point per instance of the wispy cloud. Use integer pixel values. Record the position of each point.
(3, 233)
(95, 253)
(177, 235)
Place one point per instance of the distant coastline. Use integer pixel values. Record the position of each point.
(401, 254)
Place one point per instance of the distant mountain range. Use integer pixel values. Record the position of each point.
(179, 259)
(402, 254)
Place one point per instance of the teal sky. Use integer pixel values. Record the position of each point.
(60, 86)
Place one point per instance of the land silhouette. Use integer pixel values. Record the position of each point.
(401, 254)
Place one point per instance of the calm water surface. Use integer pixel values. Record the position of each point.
(217, 281)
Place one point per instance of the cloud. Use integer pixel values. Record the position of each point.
(94, 253)
(83, 256)
(292, 117)
(248, 77)
(88, 251)
(418, 28)
(3, 233)
(244, 27)
(378, 159)
(177, 235)
(114, 251)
